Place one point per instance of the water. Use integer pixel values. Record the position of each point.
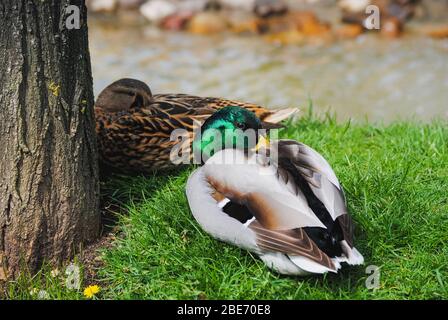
(369, 77)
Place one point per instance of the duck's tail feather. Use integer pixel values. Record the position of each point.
(280, 114)
(310, 266)
(351, 255)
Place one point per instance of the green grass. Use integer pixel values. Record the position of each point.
(48, 283)
(396, 181)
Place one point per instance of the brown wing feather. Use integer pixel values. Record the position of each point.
(292, 242)
(208, 105)
(268, 226)
(318, 174)
(311, 164)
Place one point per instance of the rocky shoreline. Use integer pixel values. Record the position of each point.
(285, 22)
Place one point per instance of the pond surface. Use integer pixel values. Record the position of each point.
(369, 77)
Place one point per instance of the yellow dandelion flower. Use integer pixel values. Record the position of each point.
(91, 291)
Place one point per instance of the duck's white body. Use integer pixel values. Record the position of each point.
(277, 203)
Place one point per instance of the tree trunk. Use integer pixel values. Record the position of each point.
(49, 190)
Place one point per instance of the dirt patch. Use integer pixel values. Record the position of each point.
(91, 257)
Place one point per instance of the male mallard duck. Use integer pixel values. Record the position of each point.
(134, 127)
(291, 212)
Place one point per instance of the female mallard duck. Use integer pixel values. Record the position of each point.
(134, 127)
(289, 208)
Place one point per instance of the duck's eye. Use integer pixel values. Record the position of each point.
(240, 125)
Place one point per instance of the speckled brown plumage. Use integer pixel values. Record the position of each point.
(134, 126)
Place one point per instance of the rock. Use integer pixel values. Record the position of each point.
(303, 21)
(130, 4)
(247, 5)
(354, 5)
(311, 26)
(354, 11)
(267, 8)
(301, 18)
(349, 31)
(243, 22)
(129, 18)
(207, 23)
(308, 23)
(102, 5)
(177, 21)
(401, 9)
(157, 10)
(391, 27)
(276, 24)
(213, 5)
(433, 10)
(286, 37)
(353, 18)
(436, 31)
(193, 5)
(186, 9)
(316, 29)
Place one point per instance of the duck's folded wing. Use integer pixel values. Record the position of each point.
(294, 243)
(139, 142)
(265, 195)
(317, 172)
(278, 224)
(206, 106)
(322, 180)
(276, 211)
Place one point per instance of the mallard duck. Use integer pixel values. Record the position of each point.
(134, 126)
(289, 209)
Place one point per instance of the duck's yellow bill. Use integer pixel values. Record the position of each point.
(263, 142)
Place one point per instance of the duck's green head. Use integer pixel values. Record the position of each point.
(230, 127)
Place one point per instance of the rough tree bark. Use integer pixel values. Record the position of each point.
(49, 190)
